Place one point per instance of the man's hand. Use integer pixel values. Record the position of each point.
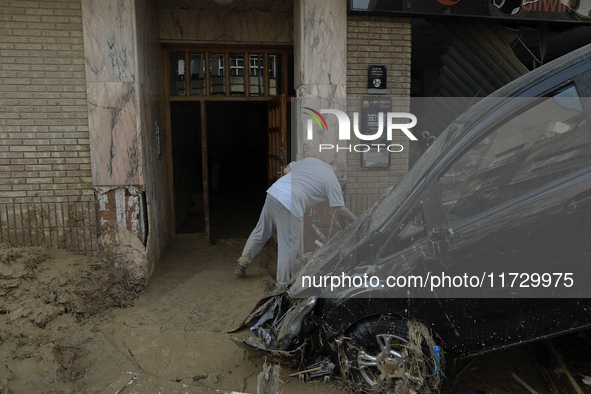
(287, 169)
(343, 210)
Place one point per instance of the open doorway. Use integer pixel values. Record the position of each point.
(185, 120)
(237, 160)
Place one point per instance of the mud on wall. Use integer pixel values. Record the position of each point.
(66, 225)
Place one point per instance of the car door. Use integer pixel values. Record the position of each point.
(516, 201)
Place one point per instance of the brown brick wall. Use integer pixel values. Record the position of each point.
(46, 194)
(384, 41)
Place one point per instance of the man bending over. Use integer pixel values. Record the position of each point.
(307, 183)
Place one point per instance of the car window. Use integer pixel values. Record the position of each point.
(549, 140)
(395, 196)
(411, 230)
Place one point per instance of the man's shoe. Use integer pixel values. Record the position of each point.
(240, 271)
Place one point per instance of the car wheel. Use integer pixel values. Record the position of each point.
(380, 356)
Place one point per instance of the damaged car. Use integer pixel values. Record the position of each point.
(483, 245)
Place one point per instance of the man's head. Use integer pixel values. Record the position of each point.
(339, 168)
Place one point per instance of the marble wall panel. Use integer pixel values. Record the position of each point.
(328, 92)
(149, 51)
(109, 40)
(155, 142)
(320, 42)
(319, 97)
(152, 132)
(320, 70)
(225, 26)
(125, 96)
(112, 119)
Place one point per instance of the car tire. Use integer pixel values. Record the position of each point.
(381, 358)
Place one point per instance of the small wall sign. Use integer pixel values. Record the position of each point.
(376, 79)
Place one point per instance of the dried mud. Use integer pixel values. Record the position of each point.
(46, 296)
(68, 324)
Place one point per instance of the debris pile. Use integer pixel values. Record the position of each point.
(45, 297)
(38, 286)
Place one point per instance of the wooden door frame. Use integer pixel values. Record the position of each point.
(207, 50)
(282, 157)
(203, 99)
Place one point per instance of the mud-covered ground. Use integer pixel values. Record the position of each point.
(68, 324)
(51, 302)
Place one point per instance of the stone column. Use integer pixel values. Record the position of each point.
(124, 92)
(320, 46)
(320, 49)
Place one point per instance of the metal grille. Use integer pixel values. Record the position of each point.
(71, 226)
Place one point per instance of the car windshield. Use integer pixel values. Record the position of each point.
(392, 200)
(396, 196)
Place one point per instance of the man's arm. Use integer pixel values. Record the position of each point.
(343, 210)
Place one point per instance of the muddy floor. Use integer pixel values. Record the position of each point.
(69, 325)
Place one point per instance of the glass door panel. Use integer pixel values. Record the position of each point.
(216, 67)
(257, 75)
(197, 74)
(275, 75)
(177, 74)
(237, 74)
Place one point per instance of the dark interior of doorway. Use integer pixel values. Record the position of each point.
(237, 160)
(185, 118)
